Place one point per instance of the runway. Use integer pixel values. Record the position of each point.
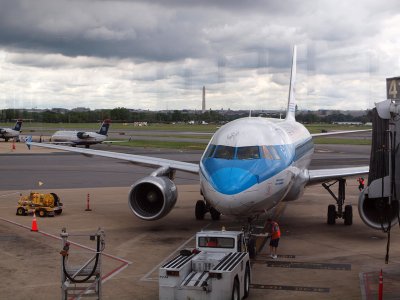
(311, 252)
(22, 169)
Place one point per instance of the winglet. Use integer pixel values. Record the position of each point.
(28, 141)
(291, 109)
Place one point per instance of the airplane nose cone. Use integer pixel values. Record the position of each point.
(231, 181)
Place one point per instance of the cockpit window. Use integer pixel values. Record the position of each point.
(266, 153)
(210, 151)
(224, 152)
(251, 152)
(274, 153)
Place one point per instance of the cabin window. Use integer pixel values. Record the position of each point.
(251, 152)
(224, 152)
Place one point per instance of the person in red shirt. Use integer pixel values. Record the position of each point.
(275, 233)
(361, 183)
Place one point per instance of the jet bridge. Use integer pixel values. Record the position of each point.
(379, 201)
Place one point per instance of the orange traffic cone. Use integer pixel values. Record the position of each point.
(13, 145)
(34, 223)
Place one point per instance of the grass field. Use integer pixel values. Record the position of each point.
(209, 128)
(320, 140)
(163, 144)
(175, 131)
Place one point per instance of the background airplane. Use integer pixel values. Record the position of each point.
(249, 166)
(86, 138)
(9, 133)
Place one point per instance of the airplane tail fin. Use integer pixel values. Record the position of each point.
(18, 125)
(291, 109)
(104, 127)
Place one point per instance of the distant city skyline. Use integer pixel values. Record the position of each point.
(159, 55)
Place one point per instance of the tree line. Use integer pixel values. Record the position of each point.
(121, 114)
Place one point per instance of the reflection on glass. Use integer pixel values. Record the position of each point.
(224, 152)
(216, 242)
(251, 152)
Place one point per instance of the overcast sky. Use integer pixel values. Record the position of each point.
(159, 54)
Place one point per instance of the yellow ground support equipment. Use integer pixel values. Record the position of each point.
(41, 204)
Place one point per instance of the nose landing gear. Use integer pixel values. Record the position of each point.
(202, 208)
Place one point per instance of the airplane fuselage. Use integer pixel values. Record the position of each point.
(77, 137)
(8, 133)
(251, 164)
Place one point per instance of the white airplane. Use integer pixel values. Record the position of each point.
(86, 138)
(249, 166)
(9, 133)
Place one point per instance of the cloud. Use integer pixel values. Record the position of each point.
(153, 55)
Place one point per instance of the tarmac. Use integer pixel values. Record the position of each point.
(316, 260)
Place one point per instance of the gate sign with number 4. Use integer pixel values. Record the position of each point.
(393, 88)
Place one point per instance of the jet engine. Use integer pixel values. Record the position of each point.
(376, 212)
(82, 135)
(152, 197)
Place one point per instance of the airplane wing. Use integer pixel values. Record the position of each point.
(61, 143)
(338, 132)
(139, 159)
(323, 175)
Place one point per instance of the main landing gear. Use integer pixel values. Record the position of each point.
(334, 214)
(249, 238)
(202, 208)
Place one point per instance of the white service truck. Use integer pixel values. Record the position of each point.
(218, 268)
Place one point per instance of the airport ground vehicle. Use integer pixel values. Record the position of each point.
(41, 204)
(218, 268)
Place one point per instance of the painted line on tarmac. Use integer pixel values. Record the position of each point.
(125, 263)
(290, 288)
(146, 276)
(308, 265)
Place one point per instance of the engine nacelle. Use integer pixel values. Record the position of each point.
(82, 135)
(152, 197)
(375, 212)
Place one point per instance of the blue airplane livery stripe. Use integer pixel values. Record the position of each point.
(233, 176)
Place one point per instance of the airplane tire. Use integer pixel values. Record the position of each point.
(215, 214)
(348, 215)
(200, 210)
(331, 220)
